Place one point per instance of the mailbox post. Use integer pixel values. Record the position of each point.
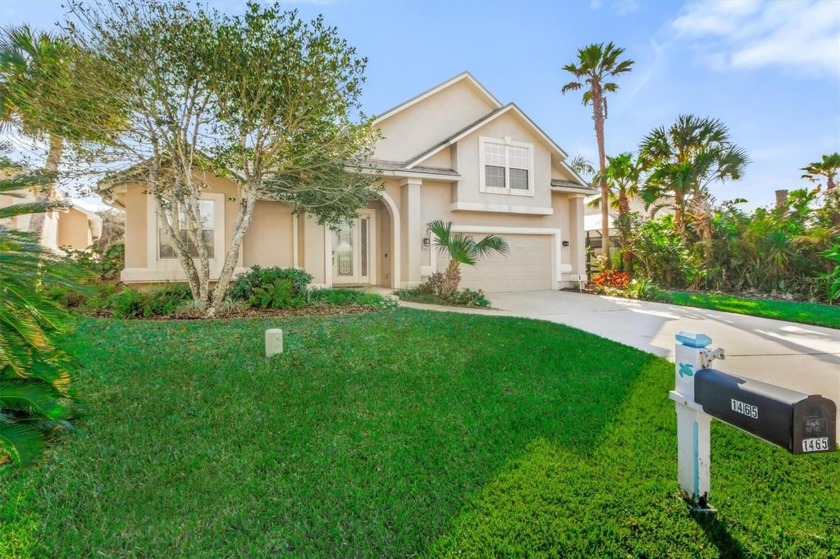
(693, 424)
(798, 422)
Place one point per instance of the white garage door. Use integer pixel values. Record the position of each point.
(527, 267)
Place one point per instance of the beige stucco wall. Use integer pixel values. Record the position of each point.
(73, 230)
(507, 125)
(136, 207)
(441, 160)
(426, 123)
(269, 239)
(19, 222)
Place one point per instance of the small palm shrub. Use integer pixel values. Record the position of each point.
(34, 370)
(273, 288)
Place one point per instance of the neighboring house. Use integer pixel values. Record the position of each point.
(453, 153)
(72, 228)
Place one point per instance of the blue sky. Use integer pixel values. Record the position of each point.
(769, 70)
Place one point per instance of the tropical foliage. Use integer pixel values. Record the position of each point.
(462, 249)
(827, 168)
(684, 159)
(623, 176)
(34, 370)
(596, 65)
(786, 250)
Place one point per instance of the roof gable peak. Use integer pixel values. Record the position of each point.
(463, 76)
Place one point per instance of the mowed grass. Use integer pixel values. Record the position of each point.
(793, 311)
(394, 434)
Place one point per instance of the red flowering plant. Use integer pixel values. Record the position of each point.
(610, 279)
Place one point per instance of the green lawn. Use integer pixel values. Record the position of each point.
(806, 313)
(394, 434)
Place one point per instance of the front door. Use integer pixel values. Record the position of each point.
(351, 252)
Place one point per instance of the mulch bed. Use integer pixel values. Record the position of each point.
(253, 313)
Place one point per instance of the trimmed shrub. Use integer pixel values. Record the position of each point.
(469, 298)
(432, 285)
(275, 288)
(145, 304)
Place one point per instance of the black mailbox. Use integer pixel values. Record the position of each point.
(799, 422)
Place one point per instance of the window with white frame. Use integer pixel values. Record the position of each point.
(507, 167)
(207, 211)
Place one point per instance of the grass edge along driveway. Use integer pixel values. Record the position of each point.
(815, 314)
(394, 434)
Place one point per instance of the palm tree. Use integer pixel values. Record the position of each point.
(583, 167)
(34, 372)
(685, 159)
(622, 177)
(829, 167)
(597, 63)
(36, 85)
(462, 249)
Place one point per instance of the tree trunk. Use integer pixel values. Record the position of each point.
(679, 215)
(623, 212)
(598, 115)
(48, 192)
(452, 278)
(240, 227)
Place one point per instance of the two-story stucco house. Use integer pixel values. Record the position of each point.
(453, 153)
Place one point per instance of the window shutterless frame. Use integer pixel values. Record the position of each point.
(506, 166)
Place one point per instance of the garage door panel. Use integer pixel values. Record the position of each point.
(527, 267)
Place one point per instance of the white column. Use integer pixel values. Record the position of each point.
(693, 425)
(577, 236)
(412, 232)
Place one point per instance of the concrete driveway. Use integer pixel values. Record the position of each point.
(796, 356)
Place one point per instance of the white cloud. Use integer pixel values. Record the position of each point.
(802, 36)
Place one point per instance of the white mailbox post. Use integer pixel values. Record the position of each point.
(693, 425)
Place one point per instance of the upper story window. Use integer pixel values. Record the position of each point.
(507, 167)
(207, 210)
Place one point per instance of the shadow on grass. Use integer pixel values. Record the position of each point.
(620, 500)
(717, 532)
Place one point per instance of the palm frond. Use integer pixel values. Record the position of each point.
(22, 442)
(491, 244)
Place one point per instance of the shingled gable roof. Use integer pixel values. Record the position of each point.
(483, 121)
(428, 93)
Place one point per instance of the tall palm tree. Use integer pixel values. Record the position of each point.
(462, 249)
(685, 159)
(829, 168)
(34, 372)
(596, 64)
(622, 177)
(36, 83)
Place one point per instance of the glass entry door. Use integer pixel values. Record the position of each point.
(351, 252)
